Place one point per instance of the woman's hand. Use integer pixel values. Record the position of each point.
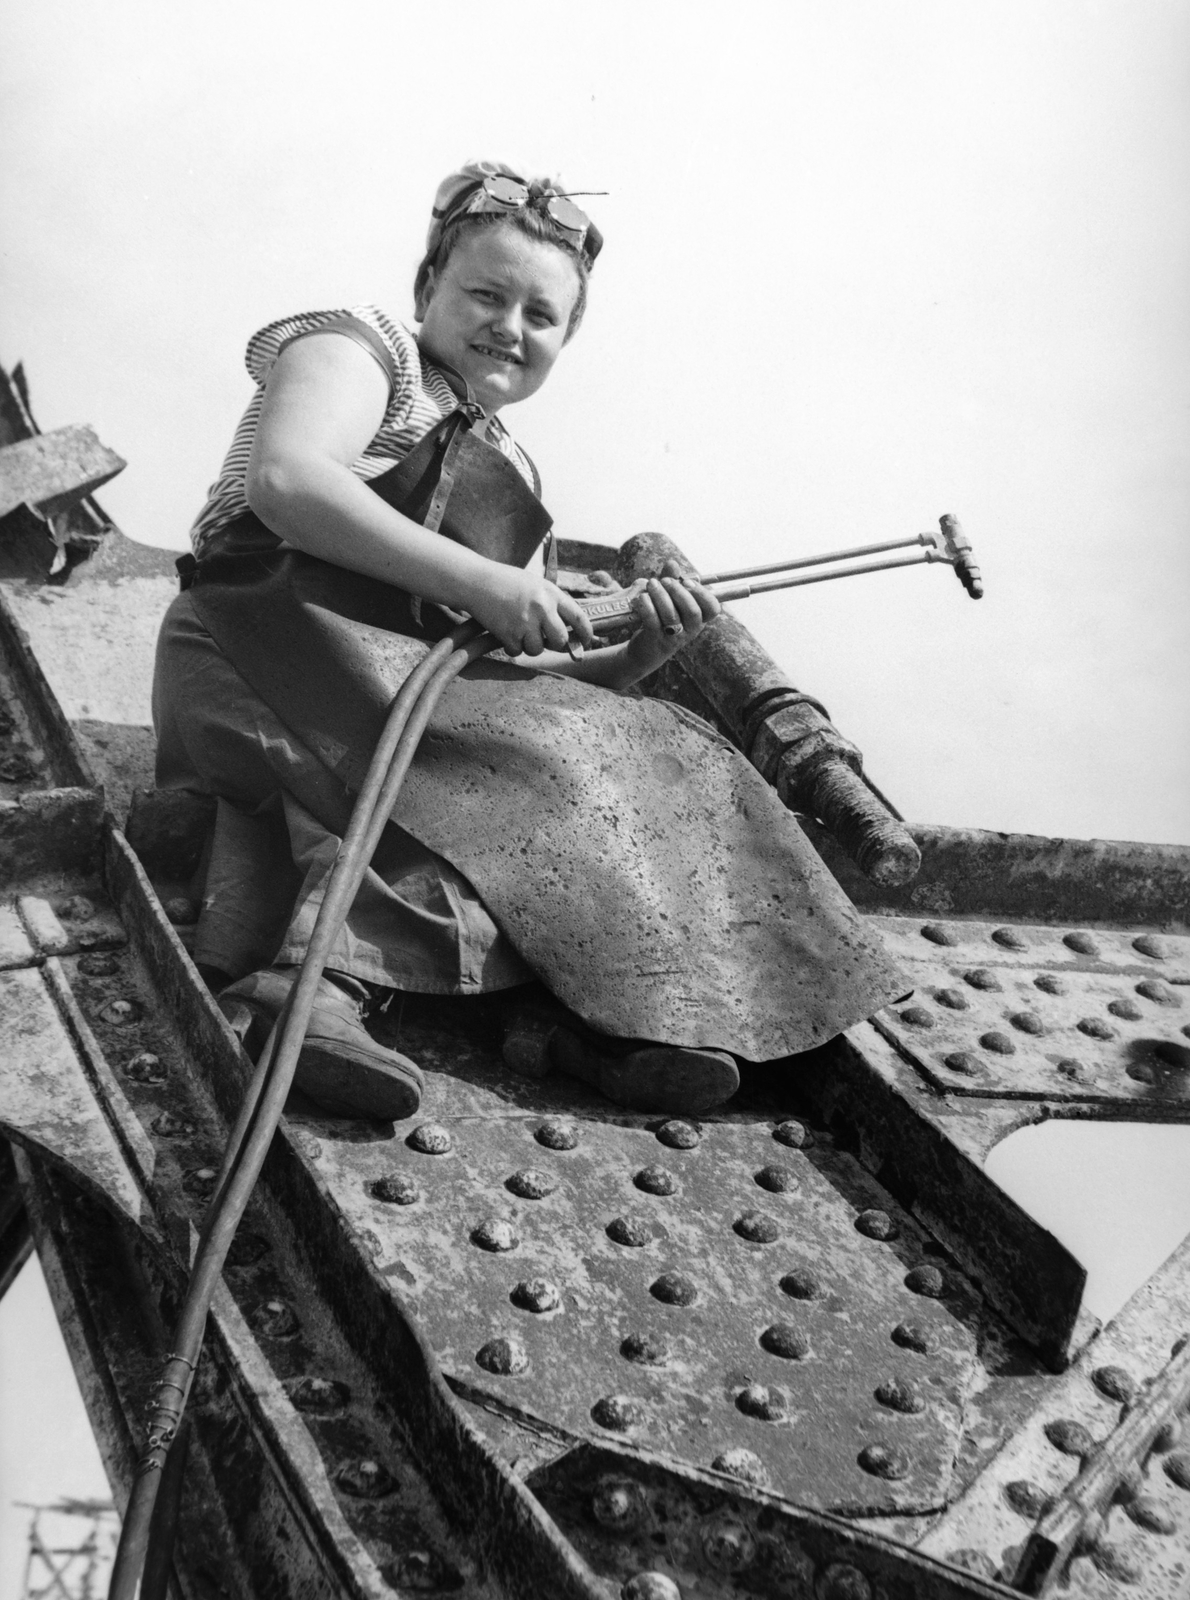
(673, 610)
(526, 612)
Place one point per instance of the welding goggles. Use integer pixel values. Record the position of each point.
(498, 193)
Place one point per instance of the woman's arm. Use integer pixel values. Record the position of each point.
(672, 611)
(323, 404)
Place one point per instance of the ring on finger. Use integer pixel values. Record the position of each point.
(672, 628)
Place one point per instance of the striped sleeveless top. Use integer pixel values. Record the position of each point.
(420, 397)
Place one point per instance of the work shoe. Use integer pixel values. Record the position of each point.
(341, 1067)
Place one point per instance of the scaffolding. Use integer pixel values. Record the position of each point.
(59, 1570)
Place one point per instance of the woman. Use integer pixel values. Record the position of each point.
(371, 496)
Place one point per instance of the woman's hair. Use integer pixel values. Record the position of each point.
(534, 224)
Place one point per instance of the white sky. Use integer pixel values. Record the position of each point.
(866, 262)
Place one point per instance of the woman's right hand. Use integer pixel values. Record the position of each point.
(527, 613)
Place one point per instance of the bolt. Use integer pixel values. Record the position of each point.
(1010, 938)
(629, 1231)
(531, 1185)
(763, 1403)
(99, 964)
(884, 1462)
(1148, 988)
(926, 1280)
(784, 1340)
(1115, 1383)
(742, 1464)
(319, 1396)
(998, 1043)
(900, 1394)
(674, 1289)
(275, 1320)
(876, 1225)
(1071, 1438)
(980, 978)
(650, 1586)
(1149, 945)
(365, 1480)
(646, 1349)
(1126, 1010)
(121, 1013)
(656, 1180)
(430, 1139)
(801, 1284)
(916, 1017)
(618, 1412)
(1027, 1499)
(938, 933)
(536, 1294)
(953, 999)
(757, 1227)
(1081, 943)
(1095, 1028)
(912, 1336)
(1050, 983)
(145, 1068)
(505, 1357)
(679, 1135)
(557, 1136)
(495, 1234)
(795, 1134)
(619, 1504)
(395, 1189)
(1027, 1022)
(727, 1545)
(963, 1062)
(1148, 1513)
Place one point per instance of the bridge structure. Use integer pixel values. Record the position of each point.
(534, 1345)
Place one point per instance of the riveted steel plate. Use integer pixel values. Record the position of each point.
(1045, 1012)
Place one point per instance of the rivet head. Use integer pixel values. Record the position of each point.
(777, 1179)
(495, 1234)
(1141, 1071)
(145, 1068)
(1010, 939)
(16, 768)
(727, 1545)
(982, 979)
(841, 1581)
(122, 1013)
(629, 1231)
(1027, 1022)
(318, 1396)
(1126, 1010)
(1177, 1468)
(1172, 1055)
(882, 1461)
(1027, 1499)
(179, 910)
(1149, 945)
(916, 1017)
(1115, 1563)
(1149, 989)
(742, 1464)
(1095, 1028)
(912, 1336)
(656, 1180)
(952, 999)
(557, 1136)
(1131, 1482)
(1071, 1438)
(926, 1280)
(876, 1225)
(679, 1135)
(784, 1340)
(395, 1189)
(99, 964)
(365, 1480)
(765, 1404)
(275, 1319)
(794, 1134)
(963, 1062)
(900, 1394)
(618, 1412)
(801, 1284)
(77, 908)
(531, 1185)
(1115, 1383)
(646, 1349)
(674, 1289)
(618, 1503)
(1169, 1437)
(200, 1182)
(650, 1586)
(167, 1126)
(939, 933)
(1148, 1513)
(1071, 1067)
(757, 1227)
(430, 1139)
(1050, 983)
(1081, 943)
(998, 1043)
(505, 1357)
(536, 1294)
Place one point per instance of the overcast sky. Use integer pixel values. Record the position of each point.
(865, 263)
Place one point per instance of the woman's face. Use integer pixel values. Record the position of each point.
(498, 312)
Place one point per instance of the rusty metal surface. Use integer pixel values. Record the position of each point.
(1045, 1013)
(50, 471)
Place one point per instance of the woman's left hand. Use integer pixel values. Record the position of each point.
(673, 610)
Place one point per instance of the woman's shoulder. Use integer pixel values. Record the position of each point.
(392, 343)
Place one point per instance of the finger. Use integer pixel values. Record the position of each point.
(688, 609)
(575, 620)
(709, 604)
(532, 643)
(667, 612)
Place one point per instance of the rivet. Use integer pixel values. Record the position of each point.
(952, 999)
(784, 1340)
(777, 1179)
(1050, 983)
(319, 1396)
(1149, 945)
(1130, 1483)
(366, 1480)
(916, 1017)
(200, 1181)
(900, 1394)
(395, 1189)
(1116, 1564)
(1071, 1438)
(247, 1249)
(1168, 1438)
(430, 1139)
(1071, 1067)
(974, 1561)
(275, 1319)
(531, 1185)
(505, 1357)
(742, 1464)
(1081, 943)
(1149, 989)
(1148, 1513)
(757, 1227)
(77, 908)
(1095, 1028)
(801, 1284)
(99, 964)
(884, 1462)
(998, 1043)
(656, 1180)
(1010, 938)
(557, 1136)
(646, 1349)
(980, 978)
(963, 1062)
(795, 1134)
(1141, 1071)
(179, 910)
(876, 1225)
(167, 1126)
(495, 1234)
(841, 1581)
(536, 1294)
(674, 1289)
(761, 1402)
(1173, 1055)
(629, 1231)
(618, 1412)
(912, 1336)
(619, 1504)
(679, 1135)
(1177, 1469)
(1126, 1010)
(926, 1280)
(1027, 1022)
(1027, 1499)
(1114, 1382)
(121, 1013)
(145, 1068)
(938, 933)
(727, 1545)
(422, 1572)
(650, 1586)
(16, 768)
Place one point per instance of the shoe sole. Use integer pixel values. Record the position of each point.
(669, 1078)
